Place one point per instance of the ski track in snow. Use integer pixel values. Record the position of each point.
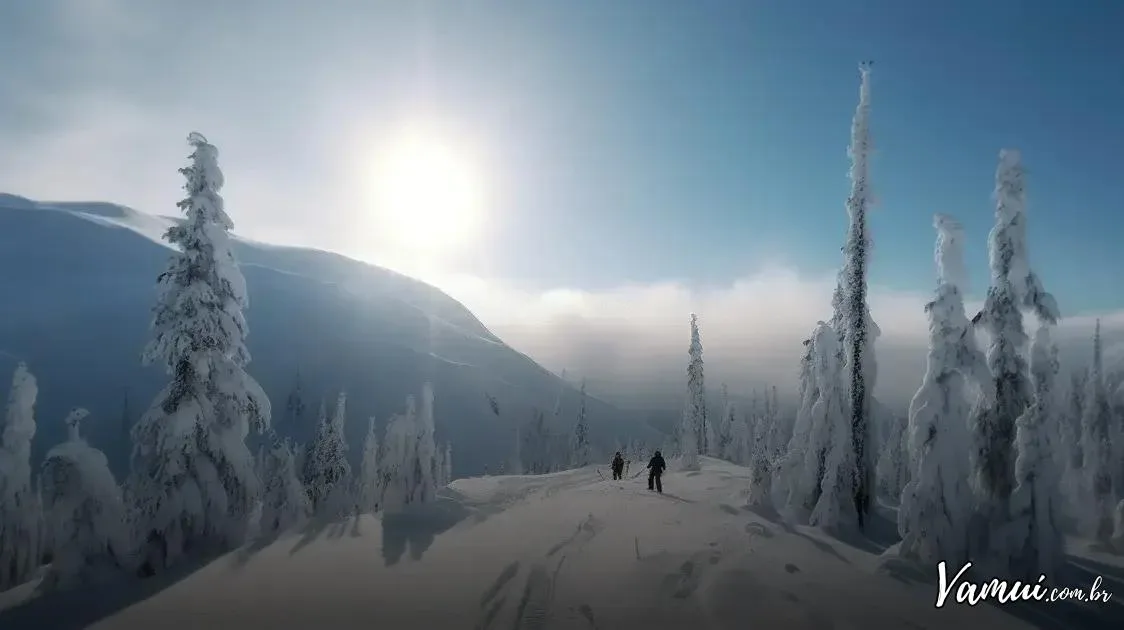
(560, 551)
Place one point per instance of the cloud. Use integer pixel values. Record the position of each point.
(631, 341)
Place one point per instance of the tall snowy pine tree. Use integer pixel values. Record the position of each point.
(1009, 394)
(693, 432)
(936, 502)
(851, 320)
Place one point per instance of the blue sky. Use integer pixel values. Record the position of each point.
(628, 142)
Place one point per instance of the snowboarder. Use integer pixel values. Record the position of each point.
(618, 466)
(656, 466)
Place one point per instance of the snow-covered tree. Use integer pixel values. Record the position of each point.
(893, 458)
(20, 540)
(1036, 540)
(799, 492)
(935, 504)
(1007, 396)
(285, 502)
(1070, 434)
(1097, 462)
(536, 445)
(327, 473)
(724, 446)
(694, 430)
(424, 487)
(753, 446)
(447, 465)
(84, 512)
(294, 407)
(408, 463)
(830, 457)
(580, 448)
(368, 487)
(194, 482)
(851, 320)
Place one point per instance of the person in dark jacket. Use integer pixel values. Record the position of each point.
(618, 466)
(656, 466)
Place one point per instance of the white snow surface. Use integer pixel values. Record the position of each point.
(564, 550)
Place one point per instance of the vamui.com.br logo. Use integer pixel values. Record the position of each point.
(960, 590)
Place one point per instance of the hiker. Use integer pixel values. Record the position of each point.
(618, 466)
(656, 466)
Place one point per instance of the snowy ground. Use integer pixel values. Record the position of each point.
(567, 550)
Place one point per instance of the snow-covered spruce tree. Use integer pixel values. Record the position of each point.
(937, 500)
(284, 501)
(893, 459)
(693, 425)
(447, 465)
(580, 448)
(1036, 541)
(294, 408)
(724, 447)
(536, 444)
(1070, 434)
(1096, 430)
(753, 449)
(851, 319)
(409, 456)
(193, 476)
(799, 496)
(1007, 396)
(84, 513)
(423, 487)
(327, 473)
(20, 540)
(829, 461)
(368, 488)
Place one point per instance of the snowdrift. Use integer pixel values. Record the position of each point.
(566, 550)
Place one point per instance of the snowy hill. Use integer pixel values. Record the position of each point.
(79, 283)
(566, 550)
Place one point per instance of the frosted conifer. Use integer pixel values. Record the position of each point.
(194, 483)
(20, 533)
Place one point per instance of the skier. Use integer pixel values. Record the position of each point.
(618, 466)
(656, 466)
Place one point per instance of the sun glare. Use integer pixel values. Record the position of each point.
(427, 196)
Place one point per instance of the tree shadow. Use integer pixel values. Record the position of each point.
(877, 535)
(84, 606)
(417, 526)
(311, 531)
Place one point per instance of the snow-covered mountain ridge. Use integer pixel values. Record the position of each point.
(80, 285)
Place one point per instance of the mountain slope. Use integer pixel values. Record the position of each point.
(561, 551)
(79, 282)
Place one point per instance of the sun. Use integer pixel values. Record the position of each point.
(427, 196)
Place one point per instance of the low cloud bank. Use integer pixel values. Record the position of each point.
(631, 341)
